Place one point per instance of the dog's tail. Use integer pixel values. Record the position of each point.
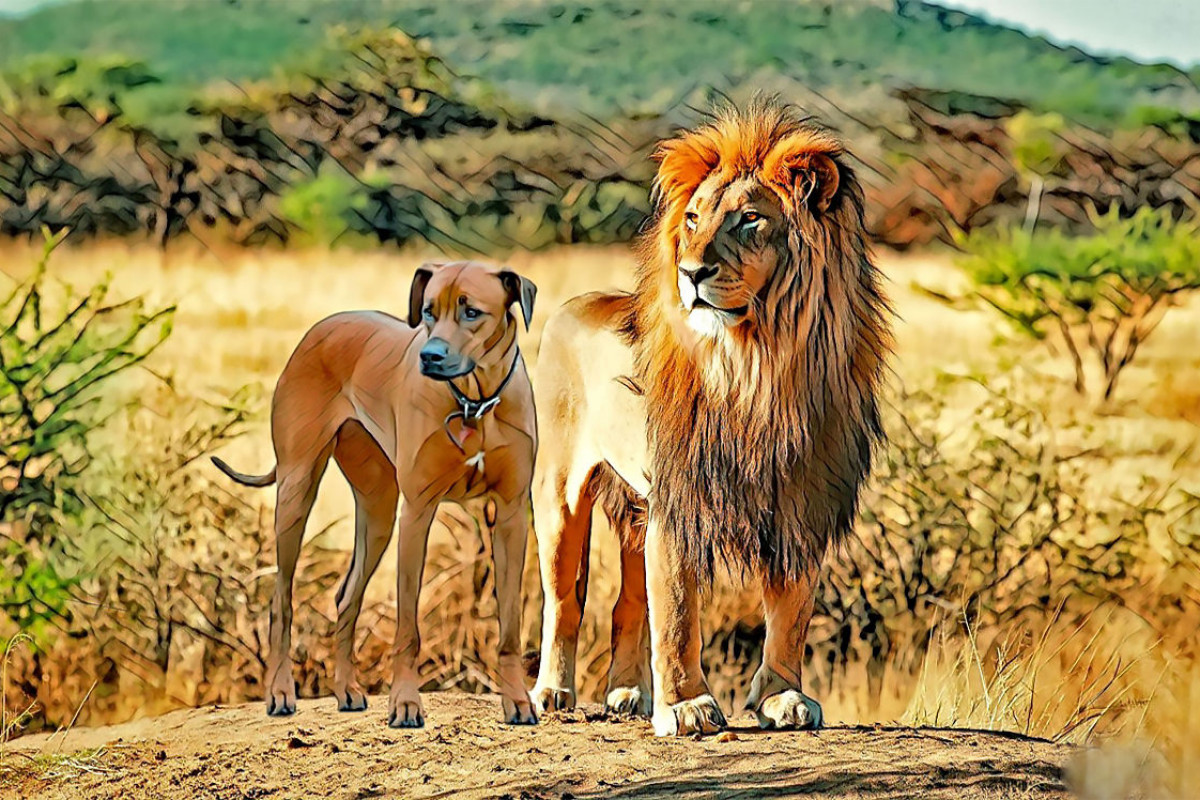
(243, 478)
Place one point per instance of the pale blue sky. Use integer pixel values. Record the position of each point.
(1147, 30)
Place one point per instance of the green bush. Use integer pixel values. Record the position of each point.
(1102, 293)
(52, 362)
(323, 206)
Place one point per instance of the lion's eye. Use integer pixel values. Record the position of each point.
(691, 219)
(751, 218)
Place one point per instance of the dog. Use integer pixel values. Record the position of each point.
(438, 407)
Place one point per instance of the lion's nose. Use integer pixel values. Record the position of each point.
(697, 273)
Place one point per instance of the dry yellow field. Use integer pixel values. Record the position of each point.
(240, 313)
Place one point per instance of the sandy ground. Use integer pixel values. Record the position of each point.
(464, 751)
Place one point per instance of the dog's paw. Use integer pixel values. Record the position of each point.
(550, 698)
(405, 709)
(281, 693)
(790, 710)
(406, 714)
(351, 698)
(698, 715)
(628, 701)
(519, 710)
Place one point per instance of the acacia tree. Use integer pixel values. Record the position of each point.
(1102, 293)
(1036, 153)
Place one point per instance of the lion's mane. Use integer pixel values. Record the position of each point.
(762, 440)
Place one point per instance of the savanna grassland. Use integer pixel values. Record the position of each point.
(1085, 639)
(214, 178)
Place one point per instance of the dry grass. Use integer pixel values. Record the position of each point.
(1125, 669)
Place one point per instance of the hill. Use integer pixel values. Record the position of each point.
(465, 752)
(578, 53)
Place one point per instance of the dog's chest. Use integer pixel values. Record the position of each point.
(473, 457)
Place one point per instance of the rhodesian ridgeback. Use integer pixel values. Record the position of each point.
(435, 408)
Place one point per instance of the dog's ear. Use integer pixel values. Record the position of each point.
(520, 290)
(416, 295)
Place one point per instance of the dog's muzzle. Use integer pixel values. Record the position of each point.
(439, 363)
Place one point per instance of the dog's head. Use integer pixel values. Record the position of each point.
(466, 309)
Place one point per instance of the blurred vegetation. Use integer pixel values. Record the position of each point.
(383, 141)
(556, 55)
(1102, 293)
(52, 365)
(1037, 152)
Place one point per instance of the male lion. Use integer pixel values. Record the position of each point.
(723, 415)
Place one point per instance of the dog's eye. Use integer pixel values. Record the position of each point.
(427, 313)
(690, 219)
(471, 313)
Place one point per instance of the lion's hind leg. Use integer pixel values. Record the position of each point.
(563, 527)
(628, 692)
(776, 696)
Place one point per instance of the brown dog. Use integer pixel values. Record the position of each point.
(436, 409)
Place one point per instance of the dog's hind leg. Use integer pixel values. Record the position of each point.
(405, 709)
(297, 489)
(373, 479)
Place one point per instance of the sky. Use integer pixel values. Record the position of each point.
(1146, 30)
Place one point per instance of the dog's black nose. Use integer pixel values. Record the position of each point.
(434, 352)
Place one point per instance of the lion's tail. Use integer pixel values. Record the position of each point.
(243, 478)
(626, 511)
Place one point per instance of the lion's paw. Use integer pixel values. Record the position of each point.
(551, 698)
(628, 701)
(790, 710)
(698, 715)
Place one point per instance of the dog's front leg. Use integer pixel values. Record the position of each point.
(509, 535)
(683, 703)
(404, 704)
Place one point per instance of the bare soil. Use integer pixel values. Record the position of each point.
(465, 751)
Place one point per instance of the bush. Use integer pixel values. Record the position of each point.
(1103, 293)
(52, 364)
(324, 206)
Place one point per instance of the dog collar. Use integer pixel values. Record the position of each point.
(474, 409)
(471, 410)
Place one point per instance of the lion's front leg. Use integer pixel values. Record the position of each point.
(683, 703)
(775, 693)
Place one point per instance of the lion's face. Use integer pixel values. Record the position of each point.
(732, 238)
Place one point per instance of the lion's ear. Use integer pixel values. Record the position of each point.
(813, 177)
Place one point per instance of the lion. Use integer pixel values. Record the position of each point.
(723, 415)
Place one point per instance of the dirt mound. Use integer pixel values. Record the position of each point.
(464, 751)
